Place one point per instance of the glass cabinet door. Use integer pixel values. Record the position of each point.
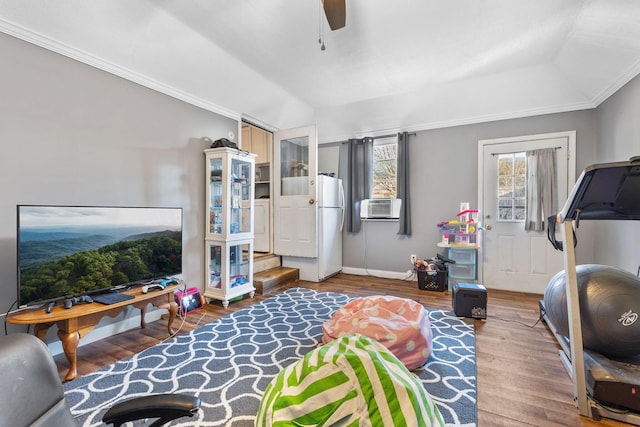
(229, 269)
(215, 266)
(238, 267)
(239, 264)
(215, 204)
(241, 194)
(230, 194)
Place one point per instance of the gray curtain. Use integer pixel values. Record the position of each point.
(542, 193)
(356, 179)
(403, 189)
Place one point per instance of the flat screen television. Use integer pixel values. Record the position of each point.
(67, 251)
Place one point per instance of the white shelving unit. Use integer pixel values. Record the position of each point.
(229, 224)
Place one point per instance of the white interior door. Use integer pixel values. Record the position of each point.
(512, 258)
(295, 226)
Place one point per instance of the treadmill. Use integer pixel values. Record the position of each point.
(603, 387)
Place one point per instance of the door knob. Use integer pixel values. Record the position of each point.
(311, 201)
(487, 227)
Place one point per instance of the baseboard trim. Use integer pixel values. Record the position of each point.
(408, 275)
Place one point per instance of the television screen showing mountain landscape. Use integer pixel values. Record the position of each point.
(66, 251)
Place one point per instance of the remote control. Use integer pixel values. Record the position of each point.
(147, 288)
(84, 299)
(165, 282)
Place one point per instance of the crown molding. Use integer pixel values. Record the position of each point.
(87, 58)
(259, 123)
(469, 121)
(51, 44)
(502, 116)
(617, 84)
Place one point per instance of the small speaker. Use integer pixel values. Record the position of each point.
(470, 300)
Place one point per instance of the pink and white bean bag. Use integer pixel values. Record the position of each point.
(400, 324)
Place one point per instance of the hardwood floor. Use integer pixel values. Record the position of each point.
(521, 380)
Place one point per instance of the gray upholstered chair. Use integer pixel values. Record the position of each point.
(32, 394)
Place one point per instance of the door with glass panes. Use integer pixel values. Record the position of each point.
(512, 258)
(295, 192)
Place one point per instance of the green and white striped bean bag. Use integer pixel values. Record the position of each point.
(351, 381)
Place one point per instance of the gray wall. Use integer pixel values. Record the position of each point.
(444, 169)
(619, 139)
(71, 134)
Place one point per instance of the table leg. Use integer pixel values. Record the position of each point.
(173, 311)
(143, 321)
(70, 346)
(40, 330)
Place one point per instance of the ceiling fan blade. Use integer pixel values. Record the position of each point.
(335, 11)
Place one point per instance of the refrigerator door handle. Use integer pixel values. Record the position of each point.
(341, 201)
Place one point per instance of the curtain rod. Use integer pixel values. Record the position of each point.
(515, 152)
(372, 137)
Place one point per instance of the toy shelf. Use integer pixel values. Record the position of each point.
(460, 239)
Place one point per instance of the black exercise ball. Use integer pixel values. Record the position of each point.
(609, 308)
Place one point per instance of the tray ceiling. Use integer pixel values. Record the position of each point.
(401, 64)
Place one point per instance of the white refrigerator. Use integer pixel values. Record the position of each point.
(330, 203)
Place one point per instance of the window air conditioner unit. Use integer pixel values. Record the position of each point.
(380, 208)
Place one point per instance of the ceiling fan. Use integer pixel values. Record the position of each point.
(336, 13)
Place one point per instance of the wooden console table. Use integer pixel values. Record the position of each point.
(75, 322)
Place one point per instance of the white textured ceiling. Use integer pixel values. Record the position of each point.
(398, 64)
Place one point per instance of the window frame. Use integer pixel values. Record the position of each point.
(515, 196)
(387, 141)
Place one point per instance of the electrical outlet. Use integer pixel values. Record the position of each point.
(414, 258)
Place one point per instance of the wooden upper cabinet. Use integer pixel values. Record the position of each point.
(245, 142)
(258, 142)
(260, 145)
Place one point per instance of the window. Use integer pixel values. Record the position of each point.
(512, 186)
(385, 166)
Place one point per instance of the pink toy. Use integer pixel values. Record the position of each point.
(467, 212)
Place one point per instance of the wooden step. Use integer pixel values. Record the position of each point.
(263, 262)
(266, 280)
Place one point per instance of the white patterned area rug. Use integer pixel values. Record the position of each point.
(229, 363)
